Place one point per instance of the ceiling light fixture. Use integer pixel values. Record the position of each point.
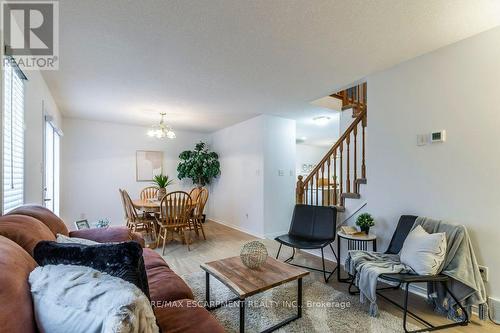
(321, 120)
(161, 130)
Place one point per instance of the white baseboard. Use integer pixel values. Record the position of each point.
(244, 230)
(273, 235)
(494, 308)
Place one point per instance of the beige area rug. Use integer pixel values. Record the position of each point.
(324, 309)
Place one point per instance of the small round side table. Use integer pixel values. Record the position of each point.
(355, 242)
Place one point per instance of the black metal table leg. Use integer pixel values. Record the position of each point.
(242, 315)
(338, 261)
(299, 298)
(242, 306)
(207, 290)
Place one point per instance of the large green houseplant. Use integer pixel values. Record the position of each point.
(200, 165)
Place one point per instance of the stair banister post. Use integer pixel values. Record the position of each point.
(299, 191)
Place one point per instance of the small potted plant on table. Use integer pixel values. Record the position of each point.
(162, 182)
(365, 222)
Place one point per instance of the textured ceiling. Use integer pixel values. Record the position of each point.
(209, 64)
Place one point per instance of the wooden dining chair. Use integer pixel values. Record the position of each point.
(150, 192)
(195, 192)
(175, 208)
(196, 218)
(136, 222)
(124, 205)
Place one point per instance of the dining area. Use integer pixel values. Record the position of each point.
(162, 217)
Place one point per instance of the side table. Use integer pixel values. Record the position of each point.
(354, 242)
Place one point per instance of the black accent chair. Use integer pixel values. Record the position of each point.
(312, 227)
(403, 228)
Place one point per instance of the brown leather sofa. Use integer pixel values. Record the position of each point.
(23, 228)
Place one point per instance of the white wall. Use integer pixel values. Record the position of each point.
(308, 154)
(236, 198)
(99, 157)
(250, 195)
(279, 175)
(455, 88)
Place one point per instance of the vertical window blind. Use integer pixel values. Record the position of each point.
(13, 138)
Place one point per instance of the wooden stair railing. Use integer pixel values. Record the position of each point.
(337, 163)
(353, 98)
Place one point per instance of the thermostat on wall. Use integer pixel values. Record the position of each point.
(438, 136)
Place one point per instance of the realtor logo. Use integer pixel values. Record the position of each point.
(31, 33)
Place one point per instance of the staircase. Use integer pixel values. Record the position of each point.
(341, 172)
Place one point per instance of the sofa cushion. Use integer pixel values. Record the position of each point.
(25, 230)
(123, 260)
(152, 259)
(51, 220)
(80, 299)
(16, 306)
(108, 235)
(186, 316)
(165, 285)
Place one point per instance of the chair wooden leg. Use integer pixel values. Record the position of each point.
(201, 227)
(158, 239)
(164, 241)
(185, 238)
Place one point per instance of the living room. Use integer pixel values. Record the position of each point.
(293, 165)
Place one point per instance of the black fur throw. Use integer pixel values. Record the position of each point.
(123, 260)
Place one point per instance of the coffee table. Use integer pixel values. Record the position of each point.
(246, 282)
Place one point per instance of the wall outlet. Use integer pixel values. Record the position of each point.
(484, 273)
(281, 172)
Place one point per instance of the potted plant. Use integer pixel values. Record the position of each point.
(200, 165)
(162, 182)
(364, 222)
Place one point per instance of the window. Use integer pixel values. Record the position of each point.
(13, 137)
(51, 166)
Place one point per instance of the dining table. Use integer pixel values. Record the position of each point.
(147, 205)
(150, 206)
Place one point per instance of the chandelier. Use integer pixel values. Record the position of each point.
(161, 130)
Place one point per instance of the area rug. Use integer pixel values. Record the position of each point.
(324, 308)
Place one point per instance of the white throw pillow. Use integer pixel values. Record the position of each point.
(424, 252)
(74, 240)
(80, 299)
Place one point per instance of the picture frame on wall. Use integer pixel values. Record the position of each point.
(148, 164)
(82, 224)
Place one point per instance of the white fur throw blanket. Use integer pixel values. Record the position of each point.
(80, 299)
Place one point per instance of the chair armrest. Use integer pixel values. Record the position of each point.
(110, 234)
(413, 278)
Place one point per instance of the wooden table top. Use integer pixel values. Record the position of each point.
(358, 236)
(246, 282)
(148, 204)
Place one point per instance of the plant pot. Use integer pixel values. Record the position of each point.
(366, 230)
(161, 193)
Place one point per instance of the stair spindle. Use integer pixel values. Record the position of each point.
(328, 183)
(299, 191)
(363, 163)
(355, 164)
(317, 187)
(312, 190)
(348, 167)
(335, 202)
(341, 172)
(323, 185)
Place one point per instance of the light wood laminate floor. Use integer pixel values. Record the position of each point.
(225, 242)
